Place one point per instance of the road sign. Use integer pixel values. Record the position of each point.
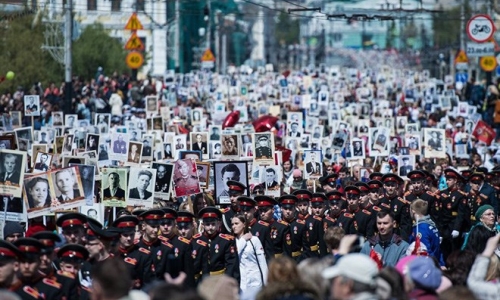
(134, 60)
(461, 77)
(478, 50)
(498, 72)
(133, 23)
(480, 28)
(134, 43)
(208, 56)
(461, 57)
(488, 63)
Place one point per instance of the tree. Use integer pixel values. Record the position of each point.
(287, 30)
(22, 54)
(95, 48)
(446, 26)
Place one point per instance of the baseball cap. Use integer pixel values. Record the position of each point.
(356, 266)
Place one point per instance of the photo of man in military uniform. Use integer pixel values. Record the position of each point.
(262, 147)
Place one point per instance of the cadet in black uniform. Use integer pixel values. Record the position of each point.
(329, 183)
(199, 254)
(397, 205)
(375, 192)
(28, 271)
(68, 281)
(364, 196)
(318, 204)
(336, 204)
(180, 257)
(297, 227)
(280, 230)
(417, 181)
(260, 229)
(222, 254)
(376, 176)
(72, 225)
(73, 259)
(313, 226)
(475, 199)
(360, 221)
(138, 259)
(453, 203)
(235, 189)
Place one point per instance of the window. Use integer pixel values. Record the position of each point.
(91, 4)
(140, 4)
(116, 5)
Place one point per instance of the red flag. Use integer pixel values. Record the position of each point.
(375, 257)
(484, 133)
(417, 250)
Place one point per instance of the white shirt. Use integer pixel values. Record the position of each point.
(250, 276)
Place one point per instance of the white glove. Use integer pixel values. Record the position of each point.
(455, 234)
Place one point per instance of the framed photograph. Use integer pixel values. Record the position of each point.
(91, 142)
(215, 149)
(70, 120)
(37, 195)
(167, 151)
(7, 142)
(114, 186)
(225, 171)
(412, 141)
(42, 163)
(199, 142)
(31, 105)
(461, 151)
(193, 155)
(196, 115)
(24, 138)
(103, 154)
(357, 149)
(412, 128)
(203, 170)
(103, 122)
(12, 208)
(263, 148)
(68, 161)
(163, 182)
(16, 119)
(66, 188)
(270, 179)
(12, 167)
(185, 178)
(119, 149)
(215, 131)
(313, 165)
(180, 143)
(434, 143)
(93, 211)
(378, 140)
(141, 185)
(230, 147)
(87, 176)
(134, 152)
(151, 105)
(406, 164)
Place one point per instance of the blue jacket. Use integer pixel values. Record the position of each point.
(391, 251)
(429, 236)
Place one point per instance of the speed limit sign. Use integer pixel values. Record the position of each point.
(488, 63)
(134, 60)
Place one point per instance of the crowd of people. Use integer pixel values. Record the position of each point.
(322, 183)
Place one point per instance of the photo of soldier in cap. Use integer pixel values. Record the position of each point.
(406, 164)
(186, 178)
(163, 182)
(263, 148)
(203, 171)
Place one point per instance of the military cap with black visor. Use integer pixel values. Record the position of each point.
(95, 231)
(71, 219)
(73, 254)
(125, 224)
(48, 240)
(154, 217)
(184, 219)
(246, 203)
(288, 201)
(8, 251)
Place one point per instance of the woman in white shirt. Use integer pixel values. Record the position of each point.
(253, 266)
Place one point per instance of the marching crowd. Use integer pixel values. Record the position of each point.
(370, 228)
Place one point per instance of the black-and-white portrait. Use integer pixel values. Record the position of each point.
(163, 183)
(31, 105)
(103, 121)
(225, 171)
(313, 165)
(42, 162)
(114, 186)
(67, 187)
(141, 187)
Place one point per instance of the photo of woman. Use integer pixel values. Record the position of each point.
(38, 193)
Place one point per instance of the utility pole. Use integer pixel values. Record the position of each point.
(68, 28)
(178, 45)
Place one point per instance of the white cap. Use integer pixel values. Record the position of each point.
(356, 266)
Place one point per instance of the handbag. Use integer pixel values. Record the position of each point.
(258, 264)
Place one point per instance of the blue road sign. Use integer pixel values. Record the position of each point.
(462, 77)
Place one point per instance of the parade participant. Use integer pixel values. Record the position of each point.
(222, 255)
(261, 229)
(185, 226)
(313, 226)
(425, 229)
(389, 246)
(98, 242)
(356, 220)
(280, 230)
(47, 269)
(28, 273)
(475, 199)
(329, 183)
(150, 222)
(364, 197)
(318, 204)
(235, 189)
(138, 259)
(376, 176)
(181, 250)
(486, 222)
(72, 225)
(297, 227)
(486, 190)
(336, 205)
(12, 231)
(453, 204)
(417, 181)
(374, 195)
(392, 202)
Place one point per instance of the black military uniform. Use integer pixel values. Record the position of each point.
(76, 255)
(398, 206)
(329, 183)
(280, 230)
(181, 259)
(263, 152)
(331, 219)
(235, 189)
(69, 283)
(432, 202)
(375, 186)
(362, 221)
(72, 220)
(453, 202)
(47, 288)
(222, 254)
(138, 259)
(260, 229)
(376, 176)
(316, 246)
(297, 228)
(474, 201)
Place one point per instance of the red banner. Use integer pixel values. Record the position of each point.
(484, 133)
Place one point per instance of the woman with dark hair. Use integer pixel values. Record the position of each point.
(38, 193)
(253, 265)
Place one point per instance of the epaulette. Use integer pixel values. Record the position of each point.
(200, 242)
(367, 212)
(483, 195)
(377, 208)
(329, 218)
(408, 193)
(130, 260)
(167, 244)
(162, 238)
(31, 291)
(196, 235)
(444, 195)
(403, 200)
(184, 240)
(462, 192)
(348, 215)
(430, 193)
(144, 250)
(301, 221)
(224, 210)
(283, 222)
(317, 218)
(226, 236)
(52, 283)
(65, 274)
(263, 223)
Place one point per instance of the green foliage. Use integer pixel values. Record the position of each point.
(22, 54)
(96, 48)
(446, 26)
(287, 30)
